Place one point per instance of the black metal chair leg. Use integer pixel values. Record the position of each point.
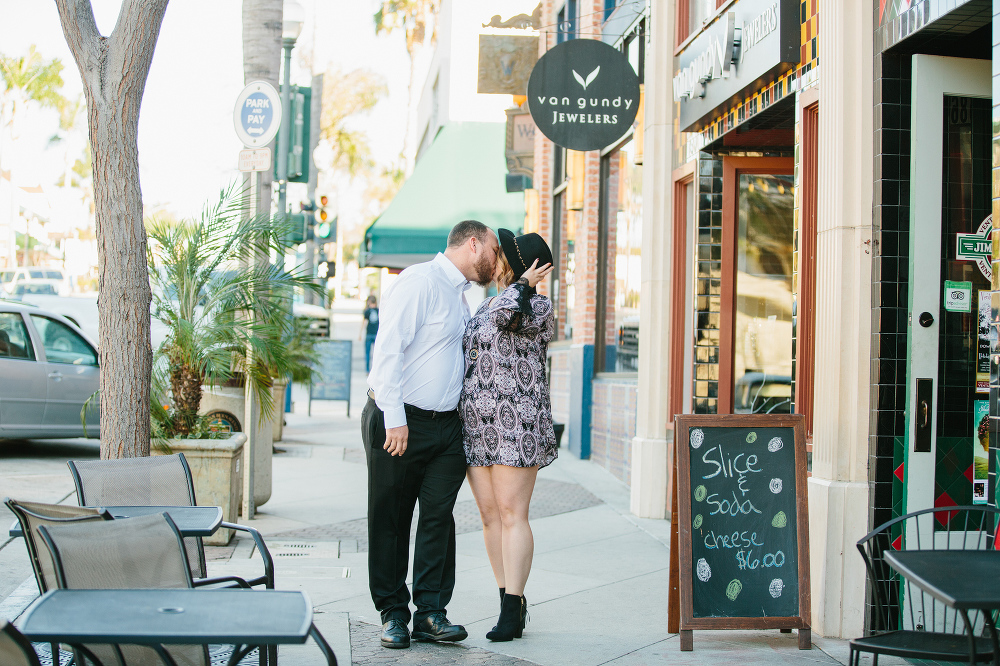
(331, 659)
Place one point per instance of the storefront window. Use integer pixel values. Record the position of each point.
(625, 228)
(762, 340)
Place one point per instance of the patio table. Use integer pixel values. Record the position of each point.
(962, 579)
(174, 616)
(191, 521)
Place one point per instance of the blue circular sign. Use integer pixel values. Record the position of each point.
(257, 115)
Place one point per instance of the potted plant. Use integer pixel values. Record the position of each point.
(227, 320)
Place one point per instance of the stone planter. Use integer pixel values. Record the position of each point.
(278, 428)
(217, 471)
(232, 401)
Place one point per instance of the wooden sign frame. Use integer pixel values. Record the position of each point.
(682, 605)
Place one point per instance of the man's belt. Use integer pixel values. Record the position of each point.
(417, 411)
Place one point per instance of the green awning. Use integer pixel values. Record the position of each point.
(461, 176)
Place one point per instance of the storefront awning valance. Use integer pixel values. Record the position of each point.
(461, 176)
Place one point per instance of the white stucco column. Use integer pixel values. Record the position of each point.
(838, 489)
(650, 446)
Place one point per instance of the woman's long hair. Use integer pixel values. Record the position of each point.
(506, 276)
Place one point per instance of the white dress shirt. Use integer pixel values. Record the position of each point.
(418, 357)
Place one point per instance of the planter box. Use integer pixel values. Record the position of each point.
(278, 428)
(231, 400)
(216, 469)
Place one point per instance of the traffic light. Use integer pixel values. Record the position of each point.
(326, 232)
(297, 228)
(321, 213)
(299, 157)
(327, 268)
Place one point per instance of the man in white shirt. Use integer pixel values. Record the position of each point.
(413, 435)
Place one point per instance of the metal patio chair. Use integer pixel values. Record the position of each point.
(907, 622)
(145, 552)
(15, 650)
(157, 481)
(31, 516)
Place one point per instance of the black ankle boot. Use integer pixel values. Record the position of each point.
(510, 623)
(503, 590)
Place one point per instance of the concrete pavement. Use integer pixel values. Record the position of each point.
(598, 588)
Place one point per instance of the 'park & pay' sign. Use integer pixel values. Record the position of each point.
(257, 115)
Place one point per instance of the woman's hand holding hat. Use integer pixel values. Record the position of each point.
(536, 273)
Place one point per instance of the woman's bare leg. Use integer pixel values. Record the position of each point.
(480, 480)
(512, 488)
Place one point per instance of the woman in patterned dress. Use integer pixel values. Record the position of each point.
(507, 416)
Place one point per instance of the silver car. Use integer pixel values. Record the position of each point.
(48, 370)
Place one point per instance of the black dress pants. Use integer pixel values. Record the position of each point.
(432, 471)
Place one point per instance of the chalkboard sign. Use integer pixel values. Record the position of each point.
(334, 381)
(742, 523)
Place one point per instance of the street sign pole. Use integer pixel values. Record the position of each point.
(257, 117)
(251, 415)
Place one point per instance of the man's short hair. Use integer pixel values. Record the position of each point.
(465, 230)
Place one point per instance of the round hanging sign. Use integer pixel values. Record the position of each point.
(583, 94)
(257, 115)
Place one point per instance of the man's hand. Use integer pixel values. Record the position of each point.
(395, 440)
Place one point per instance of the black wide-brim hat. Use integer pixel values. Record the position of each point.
(521, 251)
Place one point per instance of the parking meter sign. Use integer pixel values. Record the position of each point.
(257, 115)
(957, 296)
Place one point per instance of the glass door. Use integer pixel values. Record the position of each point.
(949, 284)
(762, 338)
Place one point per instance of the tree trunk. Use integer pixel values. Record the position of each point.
(114, 71)
(262, 62)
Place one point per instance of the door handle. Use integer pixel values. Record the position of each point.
(922, 416)
(56, 376)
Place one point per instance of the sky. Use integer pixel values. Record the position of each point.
(187, 143)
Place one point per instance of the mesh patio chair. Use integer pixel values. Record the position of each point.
(157, 481)
(32, 515)
(907, 622)
(146, 552)
(15, 650)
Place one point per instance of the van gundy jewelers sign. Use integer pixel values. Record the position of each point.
(745, 48)
(583, 94)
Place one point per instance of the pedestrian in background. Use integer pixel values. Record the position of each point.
(369, 329)
(507, 416)
(413, 435)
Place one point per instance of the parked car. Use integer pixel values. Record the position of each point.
(762, 393)
(35, 280)
(48, 370)
(316, 318)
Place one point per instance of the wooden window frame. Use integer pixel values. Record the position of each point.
(683, 178)
(732, 169)
(805, 356)
(683, 14)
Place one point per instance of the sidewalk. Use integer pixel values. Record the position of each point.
(597, 592)
(598, 588)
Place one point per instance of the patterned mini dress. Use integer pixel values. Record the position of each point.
(505, 406)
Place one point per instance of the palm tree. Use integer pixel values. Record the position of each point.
(25, 79)
(216, 303)
(346, 95)
(29, 78)
(413, 17)
(262, 56)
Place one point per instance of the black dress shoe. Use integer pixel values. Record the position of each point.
(395, 635)
(436, 627)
